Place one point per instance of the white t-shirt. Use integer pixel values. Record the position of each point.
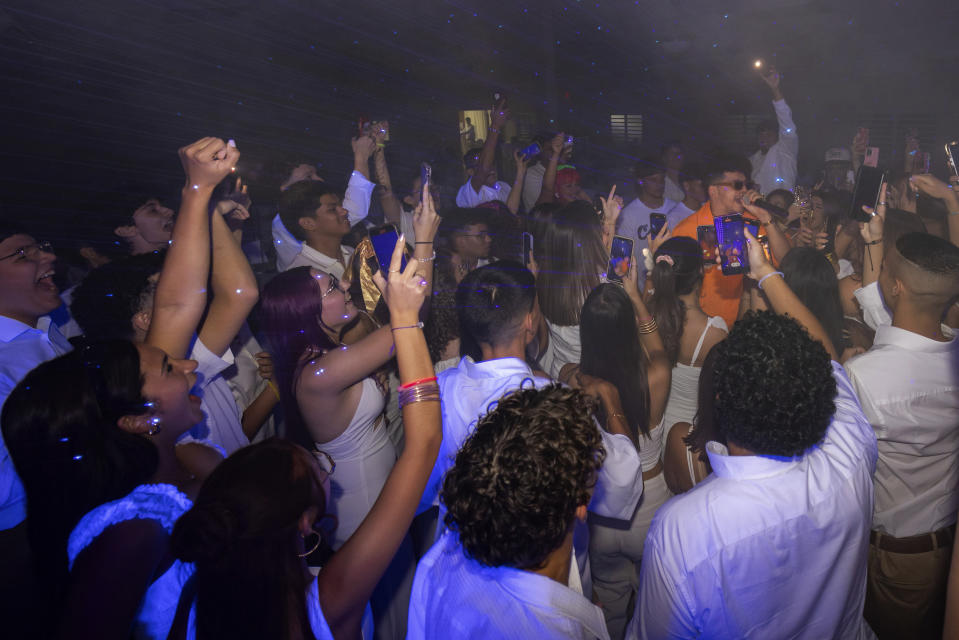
(468, 197)
(633, 223)
(221, 424)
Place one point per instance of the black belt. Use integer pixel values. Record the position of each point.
(914, 544)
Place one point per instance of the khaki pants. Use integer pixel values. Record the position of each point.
(906, 593)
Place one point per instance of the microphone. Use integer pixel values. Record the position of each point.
(779, 212)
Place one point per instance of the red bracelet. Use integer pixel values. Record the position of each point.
(416, 382)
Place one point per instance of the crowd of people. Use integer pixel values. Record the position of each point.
(433, 410)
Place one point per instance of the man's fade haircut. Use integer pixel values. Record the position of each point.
(491, 301)
(302, 200)
(107, 299)
(934, 256)
(513, 491)
(775, 392)
(648, 166)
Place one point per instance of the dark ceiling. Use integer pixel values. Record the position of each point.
(102, 93)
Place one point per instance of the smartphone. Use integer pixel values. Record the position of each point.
(426, 178)
(532, 150)
(620, 257)
(869, 181)
(831, 223)
(732, 244)
(384, 239)
(363, 126)
(707, 243)
(764, 241)
(527, 248)
(500, 101)
(753, 225)
(656, 223)
(872, 157)
(952, 156)
(569, 141)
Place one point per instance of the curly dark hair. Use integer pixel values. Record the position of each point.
(774, 386)
(513, 491)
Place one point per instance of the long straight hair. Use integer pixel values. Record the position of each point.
(242, 536)
(60, 427)
(678, 275)
(812, 278)
(611, 351)
(291, 308)
(573, 256)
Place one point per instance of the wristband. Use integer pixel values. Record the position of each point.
(763, 279)
(276, 391)
(423, 242)
(874, 242)
(416, 382)
(418, 325)
(430, 259)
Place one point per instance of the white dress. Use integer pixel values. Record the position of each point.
(165, 504)
(684, 391)
(364, 455)
(616, 547)
(564, 348)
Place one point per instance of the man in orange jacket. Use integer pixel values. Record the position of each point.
(727, 188)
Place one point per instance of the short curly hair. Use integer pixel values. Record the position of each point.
(513, 491)
(775, 393)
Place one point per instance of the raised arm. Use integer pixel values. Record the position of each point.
(346, 582)
(659, 369)
(872, 237)
(499, 119)
(392, 208)
(936, 188)
(781, 297)
(233, 286)
(516, 193)
(181, 291)
(612, 207)
(779, 244)
(359, 189)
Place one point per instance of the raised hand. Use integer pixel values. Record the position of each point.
(425, 219)
(207, 161)
(521, 161)
(379, 131)
(758, 264)
(761, 214)
(612, 207)
(556, 144)
(872, 231)
(932, 186)
(404, 291)
(656, 242)
(771, 77)
(500, 114)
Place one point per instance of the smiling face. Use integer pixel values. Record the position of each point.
(167, 383)
(338, 309)
(27, 290)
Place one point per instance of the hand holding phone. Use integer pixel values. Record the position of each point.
(730, 234)
(869, 182)
(756, 257)
(384, 239)
(952, 156)
(656, 223)
(620, 258)
(871, 158)
(706, 234)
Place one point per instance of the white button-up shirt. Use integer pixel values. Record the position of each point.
(310, 257)
(22, 348)
(776, 169)
(221, 424)
(356, 201)
(766, 547)
(456, 597)
(469, 197)
(909, 388)
(467, 392)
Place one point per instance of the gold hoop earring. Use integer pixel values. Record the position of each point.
(315, 546)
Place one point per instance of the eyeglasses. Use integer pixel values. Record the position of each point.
(334, 285)
(481, 234)
(31, 251)
(736, 185)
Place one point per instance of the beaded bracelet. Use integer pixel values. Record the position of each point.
(418, 325)
(430, 259)
(763, 279)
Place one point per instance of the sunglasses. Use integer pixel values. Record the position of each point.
(736, 185)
